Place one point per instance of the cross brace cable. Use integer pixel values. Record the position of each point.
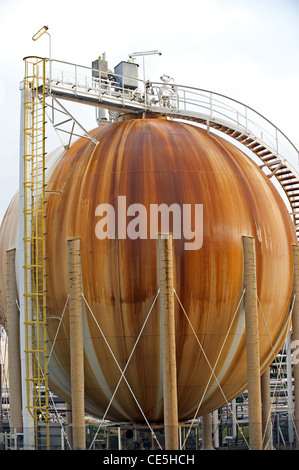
(212, 369)
(123, 371)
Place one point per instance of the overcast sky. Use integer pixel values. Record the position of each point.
(246, 49)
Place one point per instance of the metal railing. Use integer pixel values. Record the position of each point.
(211, 110)
(168, 98)
(78, 80)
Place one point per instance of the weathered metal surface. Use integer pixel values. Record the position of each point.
(154, 161)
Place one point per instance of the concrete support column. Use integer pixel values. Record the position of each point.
(167, 322)
(14, 355)
(266, 410)
(76, 343)
(207, 439)
(252, 344)
(295, 327)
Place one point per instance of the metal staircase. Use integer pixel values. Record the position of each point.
(280, 168)
(271, 160)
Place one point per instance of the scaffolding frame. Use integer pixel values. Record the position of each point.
(35, 307)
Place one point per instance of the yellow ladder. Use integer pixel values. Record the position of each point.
(35, 248)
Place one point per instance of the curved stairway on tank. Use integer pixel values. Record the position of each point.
(276, 165)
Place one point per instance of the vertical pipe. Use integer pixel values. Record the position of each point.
(167, 319)
(2, 443)
(216, 428)
(68, 416)
(266, 410)
(119, 437)
(207, 440)
(76, 342)
(252, 344)
(234, 418)
(14, 353)
(108, 439)
(295, 327)
(290, 389)
(180, 438)
(196, 438)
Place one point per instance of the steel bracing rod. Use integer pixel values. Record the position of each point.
(58, 328)
(71, 118)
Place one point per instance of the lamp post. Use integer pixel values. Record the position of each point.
(143, 54)
(36, 36)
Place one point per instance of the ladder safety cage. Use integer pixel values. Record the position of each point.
(35, 246)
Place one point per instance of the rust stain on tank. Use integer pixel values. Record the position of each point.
(155, 161)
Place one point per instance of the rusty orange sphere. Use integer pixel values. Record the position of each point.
(156, 161)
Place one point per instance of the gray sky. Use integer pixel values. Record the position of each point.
(246, 49)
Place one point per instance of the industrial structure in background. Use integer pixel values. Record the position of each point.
(127, 332)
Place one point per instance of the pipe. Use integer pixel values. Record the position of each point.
(76, 343)
(68, 417)
(14, 353)
(252, 344)
(167, 319)
(266, 410)
(295, 327)
(216, 428)
(290, 388)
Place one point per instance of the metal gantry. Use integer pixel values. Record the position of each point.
(276, 155)
(47, 82)
(35, 246)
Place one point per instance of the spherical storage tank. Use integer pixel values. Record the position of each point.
(159, 161)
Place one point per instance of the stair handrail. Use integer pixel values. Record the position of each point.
(212, 102)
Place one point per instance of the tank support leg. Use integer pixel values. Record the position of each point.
(295, 332)
(167, 322)
(252, 344)
(76, 343)
(207, 441)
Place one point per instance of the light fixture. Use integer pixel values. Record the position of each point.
(133, 54)
(143, 54)
(40, 33)
(36, 36)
